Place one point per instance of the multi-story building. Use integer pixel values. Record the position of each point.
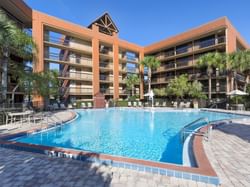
(93, 59)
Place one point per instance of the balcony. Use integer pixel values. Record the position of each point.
(71, 60)
(166, 67)
(104, 78)
(106, 52)
(128, 59)
(163, 55)
(219, 89)
(184, 63)
(132, 70)
(68, 43)
(106, 66)
(122, 81)
(107, 91)
(77, 90)
(76, 75)
(185, 49)
(209, 42)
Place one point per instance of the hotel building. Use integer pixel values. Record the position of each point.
(93, 59)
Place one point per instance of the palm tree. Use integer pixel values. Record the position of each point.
(160, 91)
(131, 81)
(151, 63)
(15, 41)
(240, 62)
(211, 61)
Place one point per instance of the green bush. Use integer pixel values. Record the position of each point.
(121, 103)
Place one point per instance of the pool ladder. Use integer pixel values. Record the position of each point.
(187, 131)
(52, 120)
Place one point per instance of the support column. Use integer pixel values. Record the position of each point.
(95, 59)
(38, 61)
(116, 66)
(141, 76)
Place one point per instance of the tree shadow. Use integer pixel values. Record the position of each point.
(240, 130)
(38, 169)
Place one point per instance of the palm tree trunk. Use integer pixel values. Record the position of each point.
(133, 89)
(13, 95)
(209, 87)
(4, 76)
(247, 82)
(149, 80)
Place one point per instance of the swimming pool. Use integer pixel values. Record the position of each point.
(134, 133)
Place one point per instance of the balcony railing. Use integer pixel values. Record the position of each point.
(70, 59)
(184, 63)
(106, 65)
(183, 50)
(106, 52)
(221, 88)
(72, 43)
(209, 42)
(80, 90)
(107, 91)
(106, 78)
(77, 75)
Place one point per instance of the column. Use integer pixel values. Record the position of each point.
(116, 66)
(141, 56)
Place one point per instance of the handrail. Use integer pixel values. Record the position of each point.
(186, 129)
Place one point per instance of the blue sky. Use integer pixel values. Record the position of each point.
(143, 21)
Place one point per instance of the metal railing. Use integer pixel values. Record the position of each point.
(193, 128)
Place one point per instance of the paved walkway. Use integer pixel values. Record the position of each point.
(19, 168)
(229, 153)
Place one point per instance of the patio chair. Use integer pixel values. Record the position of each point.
(83, 105)
(62, 106)
(175, 104)
(157, 104)
(164, 104)
(70, 106)
(129, 104)
(55, 106)
(182, 105)
(140, 104)
(135, 104)
(187, 105)
(90, 105)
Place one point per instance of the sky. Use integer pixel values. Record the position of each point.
(145, 21)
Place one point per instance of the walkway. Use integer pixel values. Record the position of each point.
(229, 153)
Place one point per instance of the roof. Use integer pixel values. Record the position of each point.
(106, 24)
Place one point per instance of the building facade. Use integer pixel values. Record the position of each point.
(94, 59)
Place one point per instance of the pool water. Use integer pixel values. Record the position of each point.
(133, 133)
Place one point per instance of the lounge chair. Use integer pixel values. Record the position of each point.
(129, 104)
(62, 106)
(164, 104)
(187, 105)
(70, 106)
(175, 104)
(90, 105)
(182, 105)
(135, 104)
(55, 106)
(140, 104)
(83, 105)
(157, 104)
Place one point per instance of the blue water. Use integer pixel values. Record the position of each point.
(130, 133)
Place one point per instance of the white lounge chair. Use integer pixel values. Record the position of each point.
(157, 104)
(182, 105)
(90, 105)
(140, 104)
(164, 104)
(70, 106)
(175, 104)
(187, 105)
(134, 104)
(83, 105)
(129, 104)
(55, 106)
(62, 106)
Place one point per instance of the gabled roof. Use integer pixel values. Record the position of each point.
(106, 24)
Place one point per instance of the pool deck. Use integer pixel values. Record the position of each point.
(228, 151)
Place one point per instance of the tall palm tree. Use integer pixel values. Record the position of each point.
(131, 81)
(151, 63)
(240, 62)
(210, 61)
(15, 41)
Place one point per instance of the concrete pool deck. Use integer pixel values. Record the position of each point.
(219, 151)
